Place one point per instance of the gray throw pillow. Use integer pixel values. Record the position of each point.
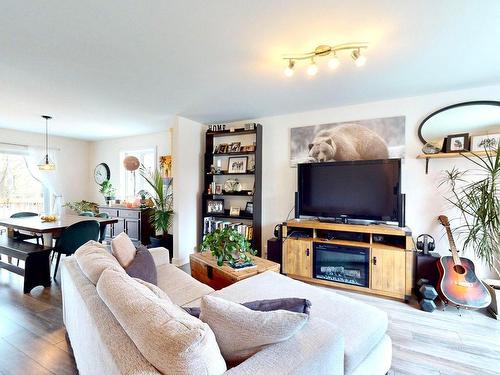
(298, 305)
(143, 266)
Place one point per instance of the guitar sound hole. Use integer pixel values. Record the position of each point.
(459, 269)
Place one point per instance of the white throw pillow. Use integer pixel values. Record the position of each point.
(93, 258)
(123, 249)
(168, 337)
(241, 332)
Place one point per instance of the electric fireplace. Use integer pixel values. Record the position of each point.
(342, 264)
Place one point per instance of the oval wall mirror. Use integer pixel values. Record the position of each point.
(475, 118)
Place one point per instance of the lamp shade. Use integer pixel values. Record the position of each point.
(131, 163)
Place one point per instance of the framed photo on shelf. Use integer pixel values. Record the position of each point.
(457, 142)
(218, 189)
(234, 211)
(235, 147)
(249, 208)
(237, 164)
(485, 142)
(215, 206)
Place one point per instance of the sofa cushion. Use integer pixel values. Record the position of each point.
(143, 266)
(363, 326)
(180, 287)
(241, 332)
(157, 291)
(123, 249)
(93, 258)
(299, 305)
(168, 337)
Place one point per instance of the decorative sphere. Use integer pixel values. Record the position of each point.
(131, 163)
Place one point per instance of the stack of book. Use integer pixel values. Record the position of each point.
(211, 224)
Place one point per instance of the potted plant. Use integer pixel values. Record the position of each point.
(162, 216)
(107, 190)
(83, 206)
(479, 205)
(227, 245)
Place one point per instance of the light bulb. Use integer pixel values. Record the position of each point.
(289, 69)
(359, 59)
(334, 62)
(312, 69)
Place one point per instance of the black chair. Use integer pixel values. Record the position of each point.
(23, 236)
(102, 232)
(75, 236)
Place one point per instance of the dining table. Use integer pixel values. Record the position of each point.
(49, 229)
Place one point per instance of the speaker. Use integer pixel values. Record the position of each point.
(274, 251)
(297, 206)
(402, 210)
(427, 268)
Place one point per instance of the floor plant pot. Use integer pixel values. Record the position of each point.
(163, 241)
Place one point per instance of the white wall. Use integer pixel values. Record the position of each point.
(187, 184)
(423, 200)
(108, 151)
(72, 160)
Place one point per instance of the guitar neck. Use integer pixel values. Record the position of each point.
(453, 247)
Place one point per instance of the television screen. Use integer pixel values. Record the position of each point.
(366, 189)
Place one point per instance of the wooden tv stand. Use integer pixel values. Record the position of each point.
(390, 254)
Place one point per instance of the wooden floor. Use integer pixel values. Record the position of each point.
(32, 335)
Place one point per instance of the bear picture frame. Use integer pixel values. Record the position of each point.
(378, 138)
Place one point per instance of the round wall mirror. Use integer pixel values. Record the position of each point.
(475, 118)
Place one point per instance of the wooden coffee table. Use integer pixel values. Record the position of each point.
(204, 268)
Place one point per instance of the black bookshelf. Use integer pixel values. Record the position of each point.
(255, 219)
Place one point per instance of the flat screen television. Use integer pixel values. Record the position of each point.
(361, 190)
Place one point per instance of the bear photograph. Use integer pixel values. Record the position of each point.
(373, 139)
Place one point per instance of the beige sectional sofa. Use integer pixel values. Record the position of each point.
(342, 336)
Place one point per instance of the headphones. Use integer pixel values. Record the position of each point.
(426, 244)
(278, 231)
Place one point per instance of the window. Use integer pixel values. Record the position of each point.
(132, 182)
(19, 190)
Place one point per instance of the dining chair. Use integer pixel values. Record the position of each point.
(87, 213)
(73, 237)
(102, 231)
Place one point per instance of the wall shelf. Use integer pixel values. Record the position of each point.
(210, 155)
(450, 155)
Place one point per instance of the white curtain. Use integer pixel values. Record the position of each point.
(50, 179)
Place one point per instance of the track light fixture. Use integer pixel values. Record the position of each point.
(325, 50)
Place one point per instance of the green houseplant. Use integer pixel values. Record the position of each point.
(227, 245)
(107, 190)
(163, 213)
(82, 206)
(479, 205)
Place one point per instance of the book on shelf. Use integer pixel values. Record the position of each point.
(211, 224)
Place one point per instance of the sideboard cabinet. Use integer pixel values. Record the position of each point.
(133, 221)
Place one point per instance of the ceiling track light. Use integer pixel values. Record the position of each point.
(325, 50)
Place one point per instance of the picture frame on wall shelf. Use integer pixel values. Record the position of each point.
(218, 189)
(235, 147)
(457, 142)
(237, 164)
(234, 211)
(249, 208)
(487, 142)
(215, 206)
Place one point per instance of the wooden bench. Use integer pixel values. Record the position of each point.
(36, 258)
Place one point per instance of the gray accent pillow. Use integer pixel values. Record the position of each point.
(143, 266)
(298, 305)
(241, 332)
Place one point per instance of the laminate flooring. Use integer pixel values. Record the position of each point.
(33, 338)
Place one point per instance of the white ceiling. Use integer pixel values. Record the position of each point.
(108, 68)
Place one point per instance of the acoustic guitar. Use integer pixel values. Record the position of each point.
(458, 282)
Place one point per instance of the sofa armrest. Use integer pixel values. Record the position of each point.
(160, 255)
(317, 349)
